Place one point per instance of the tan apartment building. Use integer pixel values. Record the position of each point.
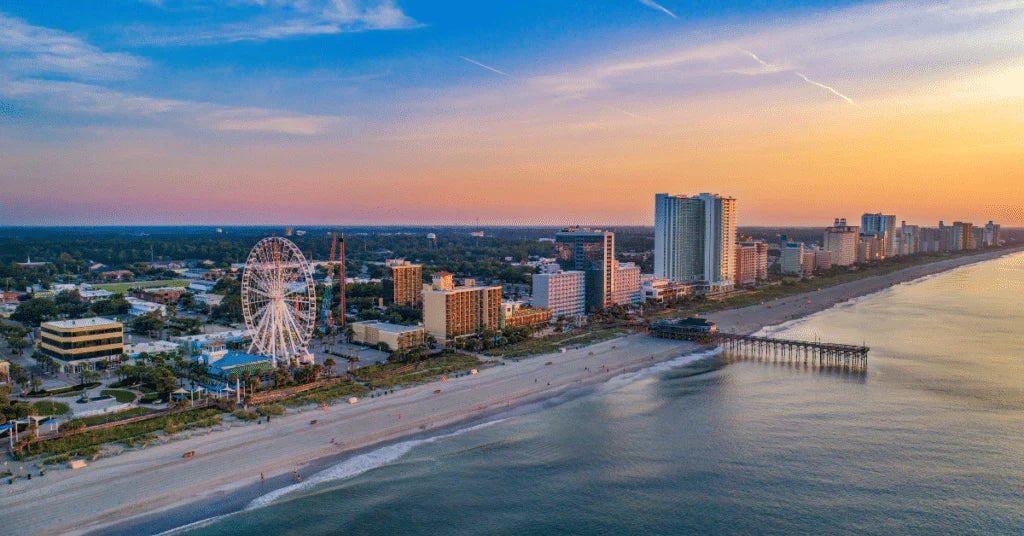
(450, 311)
(397, 337)
(402, 283)
(81, 344)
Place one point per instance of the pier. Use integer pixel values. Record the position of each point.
(818, 354)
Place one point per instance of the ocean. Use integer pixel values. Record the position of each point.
(930, 440)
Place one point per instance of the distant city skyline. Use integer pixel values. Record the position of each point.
(531, 113)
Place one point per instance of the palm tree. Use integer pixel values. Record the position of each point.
(330, 363)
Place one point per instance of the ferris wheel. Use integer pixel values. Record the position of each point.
(278, 300)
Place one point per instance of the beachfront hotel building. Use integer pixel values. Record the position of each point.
(882, 227)
(841, 239)
(450, 311)
(695, 240)
(563, 293)
(402, 283)
(626, 290)
(78, 345)
(591, 251)
(791, 257)
(990, 236)
(397, 337)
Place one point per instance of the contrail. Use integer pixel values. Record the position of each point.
(659, 7)
(474, 62)
(832, 89)
(759, 60)
(605, 106)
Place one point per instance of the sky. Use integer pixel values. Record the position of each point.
(508, 113)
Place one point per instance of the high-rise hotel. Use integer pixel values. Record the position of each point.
(695, 240)
(591, 251)
(402, 283)
(450, 311)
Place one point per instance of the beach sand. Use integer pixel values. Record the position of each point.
(139, 483)
(142, 484)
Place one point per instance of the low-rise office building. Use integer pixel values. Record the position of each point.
(141, 307)
(164, 295)
(133, 351)
(81, 344)
(396, 336)
(662, 289)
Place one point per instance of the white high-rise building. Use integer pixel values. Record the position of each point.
(695, 240)
(565, 293)
(627, 284)
(841, 239)
(791, 258)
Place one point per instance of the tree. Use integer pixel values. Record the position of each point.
(162, 380)
(86, 376)
(16, 343)
(187, 301)
(229, 310)
(35, 311)
(330, 363)
(113, 306)
(147, 323)
(70, 303)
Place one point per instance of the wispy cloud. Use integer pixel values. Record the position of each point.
(266, 20)
(259, 120)
(654, 5)
(488, 67)
(28, 48)
(94, 100)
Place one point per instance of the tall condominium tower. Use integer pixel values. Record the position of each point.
(402, 283)
(591, 251)
(695, 239)
(883, 227)
(841, 239)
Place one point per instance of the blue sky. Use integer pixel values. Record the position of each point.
(246, 111)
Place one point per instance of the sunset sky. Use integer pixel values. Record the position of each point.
(527, 112)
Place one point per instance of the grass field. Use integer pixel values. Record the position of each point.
(121, 288)
(319, 395)
(120, 395)
(428, 370)
(50, 408)
(88, 443)
(553, 343)
(107, 417)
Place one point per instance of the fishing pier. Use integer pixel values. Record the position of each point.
(818, 354)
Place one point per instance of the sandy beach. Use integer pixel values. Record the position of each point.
(774, 312)
(141, 483)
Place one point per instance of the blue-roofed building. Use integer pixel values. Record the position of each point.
(223, 363)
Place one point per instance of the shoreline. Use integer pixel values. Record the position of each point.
(774, 313)
(145, 491)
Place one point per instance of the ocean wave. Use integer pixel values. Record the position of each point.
(359, 464)
(658, 368)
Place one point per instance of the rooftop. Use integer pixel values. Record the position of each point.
(391, 328)
(81, 323)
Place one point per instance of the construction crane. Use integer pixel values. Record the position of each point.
(325, 310)
(326, 316)
(342, 282)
